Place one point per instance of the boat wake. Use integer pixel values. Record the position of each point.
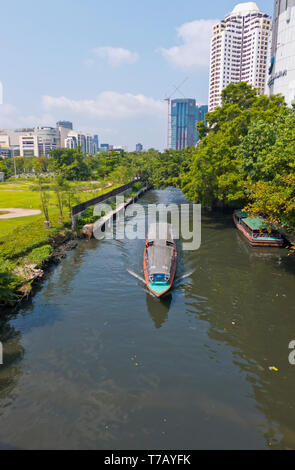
(186, 275)
(136, 275)
(180, 280)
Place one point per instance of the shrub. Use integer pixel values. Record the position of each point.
(8, 285)
(137, 186)
(40, 255)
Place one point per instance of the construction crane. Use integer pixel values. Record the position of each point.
(168, 99)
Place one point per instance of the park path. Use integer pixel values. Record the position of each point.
(16, 213)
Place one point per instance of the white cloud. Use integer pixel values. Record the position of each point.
(12, 117)
(116, 56)
(108, 105)
(195, 48)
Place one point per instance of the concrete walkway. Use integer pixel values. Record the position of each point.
(16, 213)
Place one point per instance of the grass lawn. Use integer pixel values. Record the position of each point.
(25, 241)
(19, 236)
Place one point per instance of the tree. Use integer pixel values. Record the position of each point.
(59, 189)
(216, 176)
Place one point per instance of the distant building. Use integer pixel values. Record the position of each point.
(65, 124)
(77, 139)
(104, 147)
(5, 152)
(139, 148)
(183, 123)
(239, 50)
(96, 142)
(34, 142)
(201, 112)
(48, 138)
(282, 59)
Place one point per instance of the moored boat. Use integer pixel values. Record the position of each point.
(256, 231)
(160, 258)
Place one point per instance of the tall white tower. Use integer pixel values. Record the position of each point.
(282, 71)
(239, 50)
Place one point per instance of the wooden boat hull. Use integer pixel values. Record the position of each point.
(257, 241)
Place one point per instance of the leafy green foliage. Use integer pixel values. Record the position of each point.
(225, 155)
(8, 285)
(40, 255)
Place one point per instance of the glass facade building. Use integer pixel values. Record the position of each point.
(201, 112)
(185, 115)
(96, 142)
(183, 123)
(65, 124)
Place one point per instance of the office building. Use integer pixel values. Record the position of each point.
(282, 64)
(183, 123)
(5, 152)
(48, 138)
(96, 142)
(77, 139)
(239, 51)
(139, 148)
(202, 110)
(104, 147)
(34, 142)
(65, 124)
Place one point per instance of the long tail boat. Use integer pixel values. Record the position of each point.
(255, 230)
(160, 258)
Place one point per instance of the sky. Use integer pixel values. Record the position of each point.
(107, 66)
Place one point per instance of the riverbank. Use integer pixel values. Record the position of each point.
(27, 256)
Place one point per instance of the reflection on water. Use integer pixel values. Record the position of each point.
(11, 369)
(158, 309)
(85, 367)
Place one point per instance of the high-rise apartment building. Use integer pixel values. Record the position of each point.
(183, 123)
(282, 64)
(239, 51)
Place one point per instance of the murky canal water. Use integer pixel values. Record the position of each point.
(95, 362)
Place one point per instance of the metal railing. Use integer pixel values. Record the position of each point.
(92, 202)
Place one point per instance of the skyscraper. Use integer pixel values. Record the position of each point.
(282, 64)
(239, 50)
(96, 142)
(183, 123)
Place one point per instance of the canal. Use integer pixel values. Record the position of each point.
(95, 362)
